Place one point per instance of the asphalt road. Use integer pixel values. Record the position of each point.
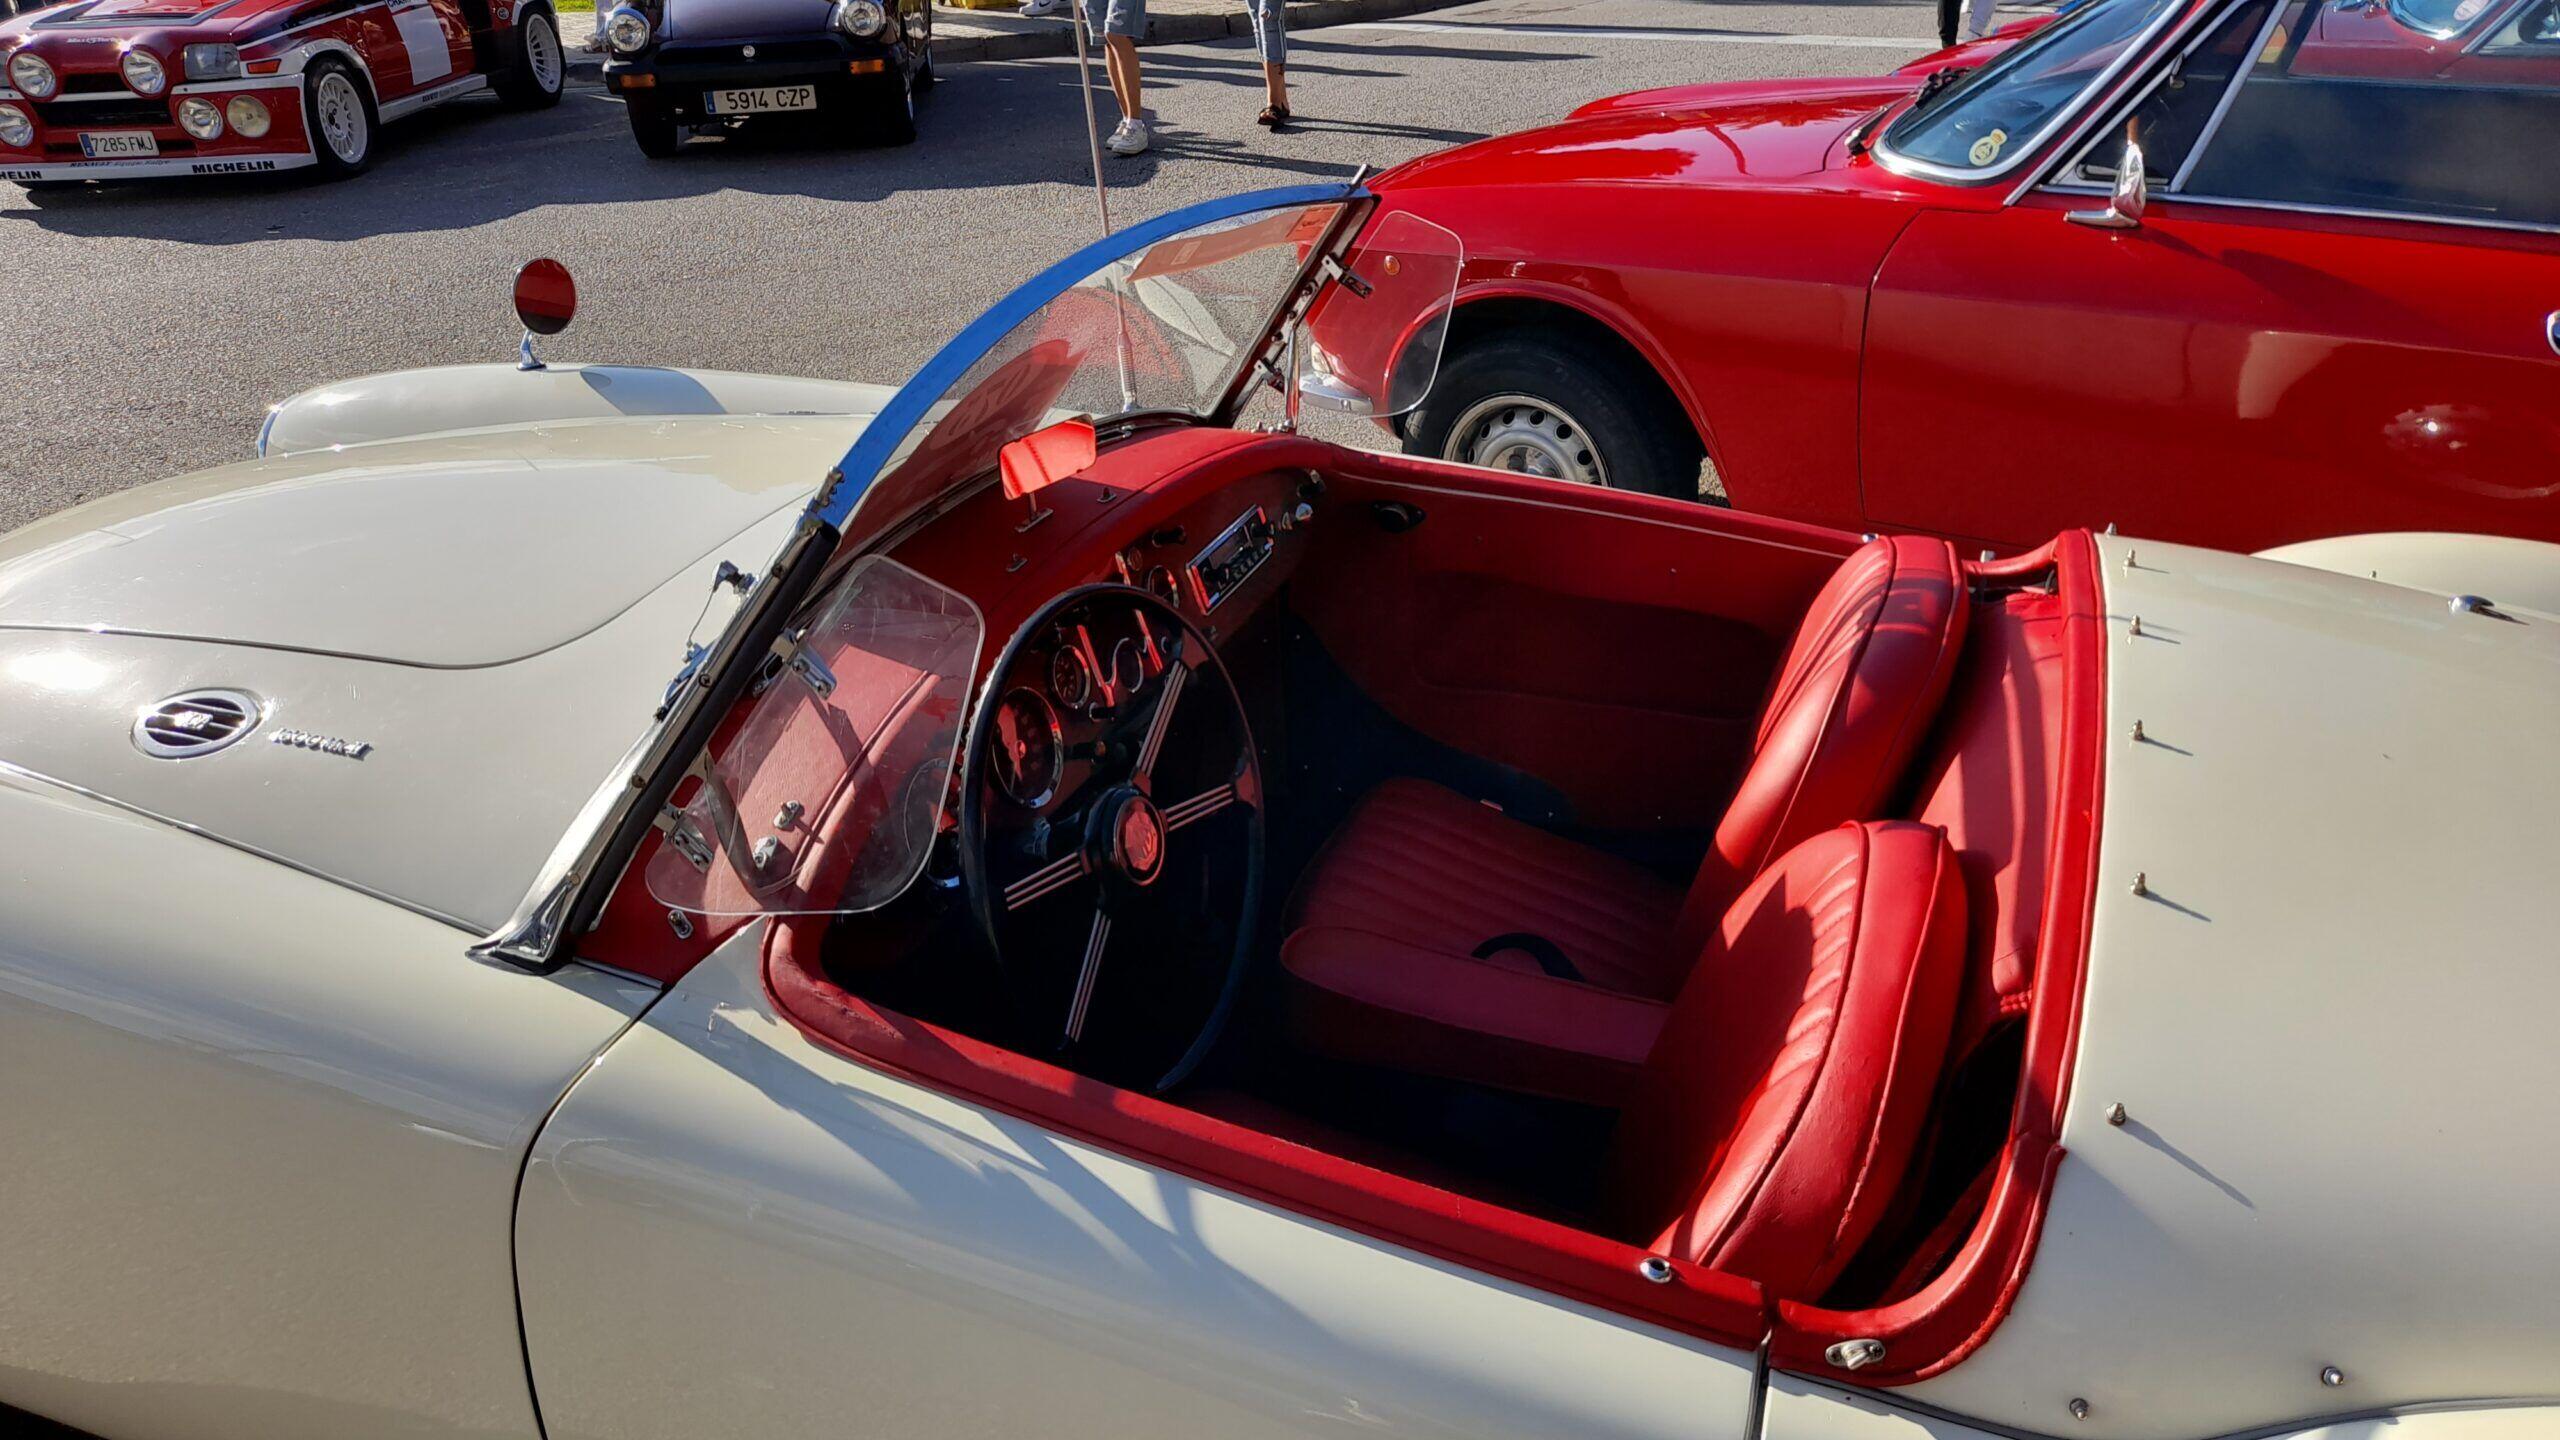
(145, 327)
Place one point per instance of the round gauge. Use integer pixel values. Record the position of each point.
(1129, 669)
(1161, 584)
(1070, 678)
(1028, 749)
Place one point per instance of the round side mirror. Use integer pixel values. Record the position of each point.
(546, 298)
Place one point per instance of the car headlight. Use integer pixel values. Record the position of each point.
(627, 31)
(248, 116)
(213, 62)
(199, 117)
(16, 130)
(30, 73)
(861, 19)
(144, 72)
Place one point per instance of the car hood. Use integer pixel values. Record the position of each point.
(695, 21)
(483, 623)
(90, 31)
(1755, 131)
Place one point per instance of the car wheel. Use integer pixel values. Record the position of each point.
(652, 127)
(539, 68)
(1555, 405)
(342, 117)
(893, 120)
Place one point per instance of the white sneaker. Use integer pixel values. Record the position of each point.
(1041, 9)
(1130, 139)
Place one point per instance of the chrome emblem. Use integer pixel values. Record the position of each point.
(325, 744)
(196, 722)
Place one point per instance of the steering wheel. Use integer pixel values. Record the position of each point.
(1111, 834)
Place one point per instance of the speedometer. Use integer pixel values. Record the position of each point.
(1027, 749)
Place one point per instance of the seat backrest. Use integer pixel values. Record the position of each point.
(1858, 689)
(1779, 1109)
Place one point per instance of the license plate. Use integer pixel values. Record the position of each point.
(117, 144)
(763, 101)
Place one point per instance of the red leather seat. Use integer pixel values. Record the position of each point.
(1770, 1129)
(1399, 956)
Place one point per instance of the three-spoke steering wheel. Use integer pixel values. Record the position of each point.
(1111, 834)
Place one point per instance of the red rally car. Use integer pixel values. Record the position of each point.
(115, 89)
(2234, 272)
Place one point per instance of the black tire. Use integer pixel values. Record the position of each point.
(652, 127)
(537, 68)
(1606, 418)
(891, 117)
(321, 86)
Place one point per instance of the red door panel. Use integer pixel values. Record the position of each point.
(2236, 378)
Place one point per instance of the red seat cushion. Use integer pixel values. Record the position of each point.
(1408, 1007)
(1782, 1103)
(1424, 865)
(1855, 694)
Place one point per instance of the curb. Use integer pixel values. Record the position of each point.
(1059, 39)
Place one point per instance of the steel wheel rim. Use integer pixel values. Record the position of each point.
(542, 53)
(1527, 435)
(341, 116)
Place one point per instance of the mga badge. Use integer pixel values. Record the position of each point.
(325, 744)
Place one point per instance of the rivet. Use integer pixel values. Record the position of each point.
(2128, 561)
(2115, 1113)
(1655, 1269)
(2137, 732)
(2079, 1408)
(2141, 882)
(2137, 624)
(2332, 1376)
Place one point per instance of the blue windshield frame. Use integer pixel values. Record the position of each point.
(835, 501)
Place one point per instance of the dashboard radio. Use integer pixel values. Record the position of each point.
(1230, 560)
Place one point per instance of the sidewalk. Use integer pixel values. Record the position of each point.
(960, 35)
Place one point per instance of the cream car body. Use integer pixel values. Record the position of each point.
(290, 1160)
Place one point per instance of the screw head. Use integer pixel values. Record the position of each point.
(2115, 1113)
(2079, 1408)
(2332, 1376)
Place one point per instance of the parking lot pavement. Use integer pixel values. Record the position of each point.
(149, 324)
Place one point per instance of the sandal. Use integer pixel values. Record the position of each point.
(1272, 115)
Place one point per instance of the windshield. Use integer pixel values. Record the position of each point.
(1160, 317)
(1980, 126)
(850, 744)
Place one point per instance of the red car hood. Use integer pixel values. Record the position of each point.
(1688, 134)
(88, 31)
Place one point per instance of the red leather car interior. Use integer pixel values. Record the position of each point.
(1858, 690)
(1460, 892)
(1785, 1096)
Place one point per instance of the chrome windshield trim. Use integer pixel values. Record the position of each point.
(2231, 92)
(570, 890)
(871, 452)
(2063, 115)
(2093, 118)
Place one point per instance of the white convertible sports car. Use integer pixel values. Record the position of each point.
(605, 902)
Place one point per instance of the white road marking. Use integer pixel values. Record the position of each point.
(1691, 37)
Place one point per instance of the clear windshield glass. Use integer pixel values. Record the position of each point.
(828, 797)
(1374, 339)
(1166, 324)
(2006, 108)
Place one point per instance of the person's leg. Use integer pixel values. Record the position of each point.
(1271, 42)
(1977, 19)
(1948, 10)
(1121, 53)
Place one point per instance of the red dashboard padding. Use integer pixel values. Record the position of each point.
(1424, 865)
(1858, 689)
(1784, 1099)
(1406, 1007)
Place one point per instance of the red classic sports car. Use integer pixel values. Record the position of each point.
(115, 89)
(2328, 301)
